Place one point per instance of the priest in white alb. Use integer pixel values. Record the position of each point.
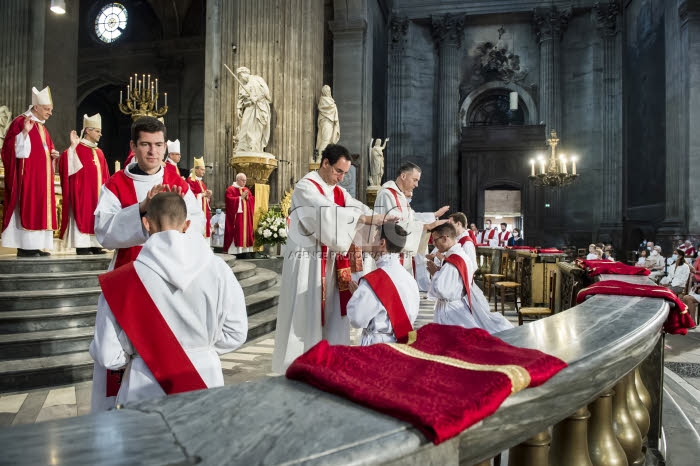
(123, 202)
(190, 310)
(324, 220)
(386, 301)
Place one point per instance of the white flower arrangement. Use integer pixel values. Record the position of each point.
(272, 228)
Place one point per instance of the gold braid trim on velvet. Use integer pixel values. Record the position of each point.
(519, 376)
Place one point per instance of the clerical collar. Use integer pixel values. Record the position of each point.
(198, 178)
(136, 170)
(453, 250)
(387, 258)
(90, 144)
(235, 184)
(169, 160)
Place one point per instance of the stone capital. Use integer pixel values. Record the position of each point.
(352, 26)
(550, 23)
(606, 18)
(448, 29)
(398, 27)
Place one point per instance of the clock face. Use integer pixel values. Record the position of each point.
(110, 22)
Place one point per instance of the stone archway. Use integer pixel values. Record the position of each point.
(524, 99)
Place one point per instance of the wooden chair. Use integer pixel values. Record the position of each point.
(535, 312)
(509, 287)
(492, 277)
(582, 252)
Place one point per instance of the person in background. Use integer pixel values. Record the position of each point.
(642, 258)
(591, 253)
(516, 239)
(678, 274)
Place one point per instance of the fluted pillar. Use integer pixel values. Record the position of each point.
(281, 41)
(549, 24)
(22, 26)
(397, 47)
(611, 120)
(448, 31)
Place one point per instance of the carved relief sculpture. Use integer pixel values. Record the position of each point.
(253, 111)
(328, 123)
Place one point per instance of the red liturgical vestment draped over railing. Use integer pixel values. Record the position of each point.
(446, 379)
(597, 267)
(678, 320)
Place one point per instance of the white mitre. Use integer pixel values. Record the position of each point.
(94, 121)
(174, 146)
(42, 97)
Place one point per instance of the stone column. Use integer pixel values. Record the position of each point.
(611, 121)
(352, 84)
(281, 41)
(397, 47)
(549, 24)
(690, 22)
(447, 31)
(22, 26)
(218, 93)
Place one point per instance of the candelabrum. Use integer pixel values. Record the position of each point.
(142, 98)
(553, 172)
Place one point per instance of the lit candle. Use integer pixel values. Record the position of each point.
(130, 82)
(573, 165)
(542, 165)
(139, 86)
(128, 91)
(149, 80)
(117, 166)
(563, 163)
(166, 99)
(532, 164)
(120, 97)
(156, 85)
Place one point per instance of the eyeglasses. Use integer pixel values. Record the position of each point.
(439, 238)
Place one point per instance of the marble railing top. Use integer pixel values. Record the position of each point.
(634, 279)
(278, 421)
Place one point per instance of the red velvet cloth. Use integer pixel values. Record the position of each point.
(550, 251)
(29, 182)
(439, 399)
(81, 190)
(597, 267)
(239, 226)
(678, 320)
(523, 248)
(198, 187)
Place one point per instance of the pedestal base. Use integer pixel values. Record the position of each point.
(371, 195)
(258, 166)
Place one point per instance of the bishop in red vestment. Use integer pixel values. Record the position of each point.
(240, 205)
(30, 202)
(83, 170)
(200, 191)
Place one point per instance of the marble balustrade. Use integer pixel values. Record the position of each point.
(277, 421)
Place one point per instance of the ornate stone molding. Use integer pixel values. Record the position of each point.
(550, 22)
(398, 25)
(606, 18)
(448, 29)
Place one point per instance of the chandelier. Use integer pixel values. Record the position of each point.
(553, 172)
(142, 98)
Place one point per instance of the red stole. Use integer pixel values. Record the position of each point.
(29, 183)
(597, 267)
(492, 233)
(342, 263)
(461, 267)
(464, 239)
(148, 331)
(503, 238)
(81, 190)
(123, 187)
(388, 295)
(396, 197)
(457, 376)
(198, 187)
(472, 236)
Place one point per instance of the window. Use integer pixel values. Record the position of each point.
(110, 22)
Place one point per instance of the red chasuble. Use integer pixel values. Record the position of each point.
(678, 320)
(82, 189)
(29, 182)
(388, 295)
(148, 331)
(198, 187)
(123, 187)
(447, 379)
(597, 267)
(239, 226)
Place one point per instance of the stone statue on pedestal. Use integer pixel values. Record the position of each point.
(5, 121)
(376, 162)
(253, 111)
(328, 123)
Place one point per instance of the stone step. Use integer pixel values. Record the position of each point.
(51, 371)
(84, 279)
(47, 319)
(262, 323)
(66, 263)
(45, 343)
(48, 299)
(262, 300)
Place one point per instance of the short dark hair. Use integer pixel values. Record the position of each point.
(395, 237)
(445, 229)
(167, 209)
(460, 218)
(407, 167)
(146, 124)
(335, 152)
(504, 225)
